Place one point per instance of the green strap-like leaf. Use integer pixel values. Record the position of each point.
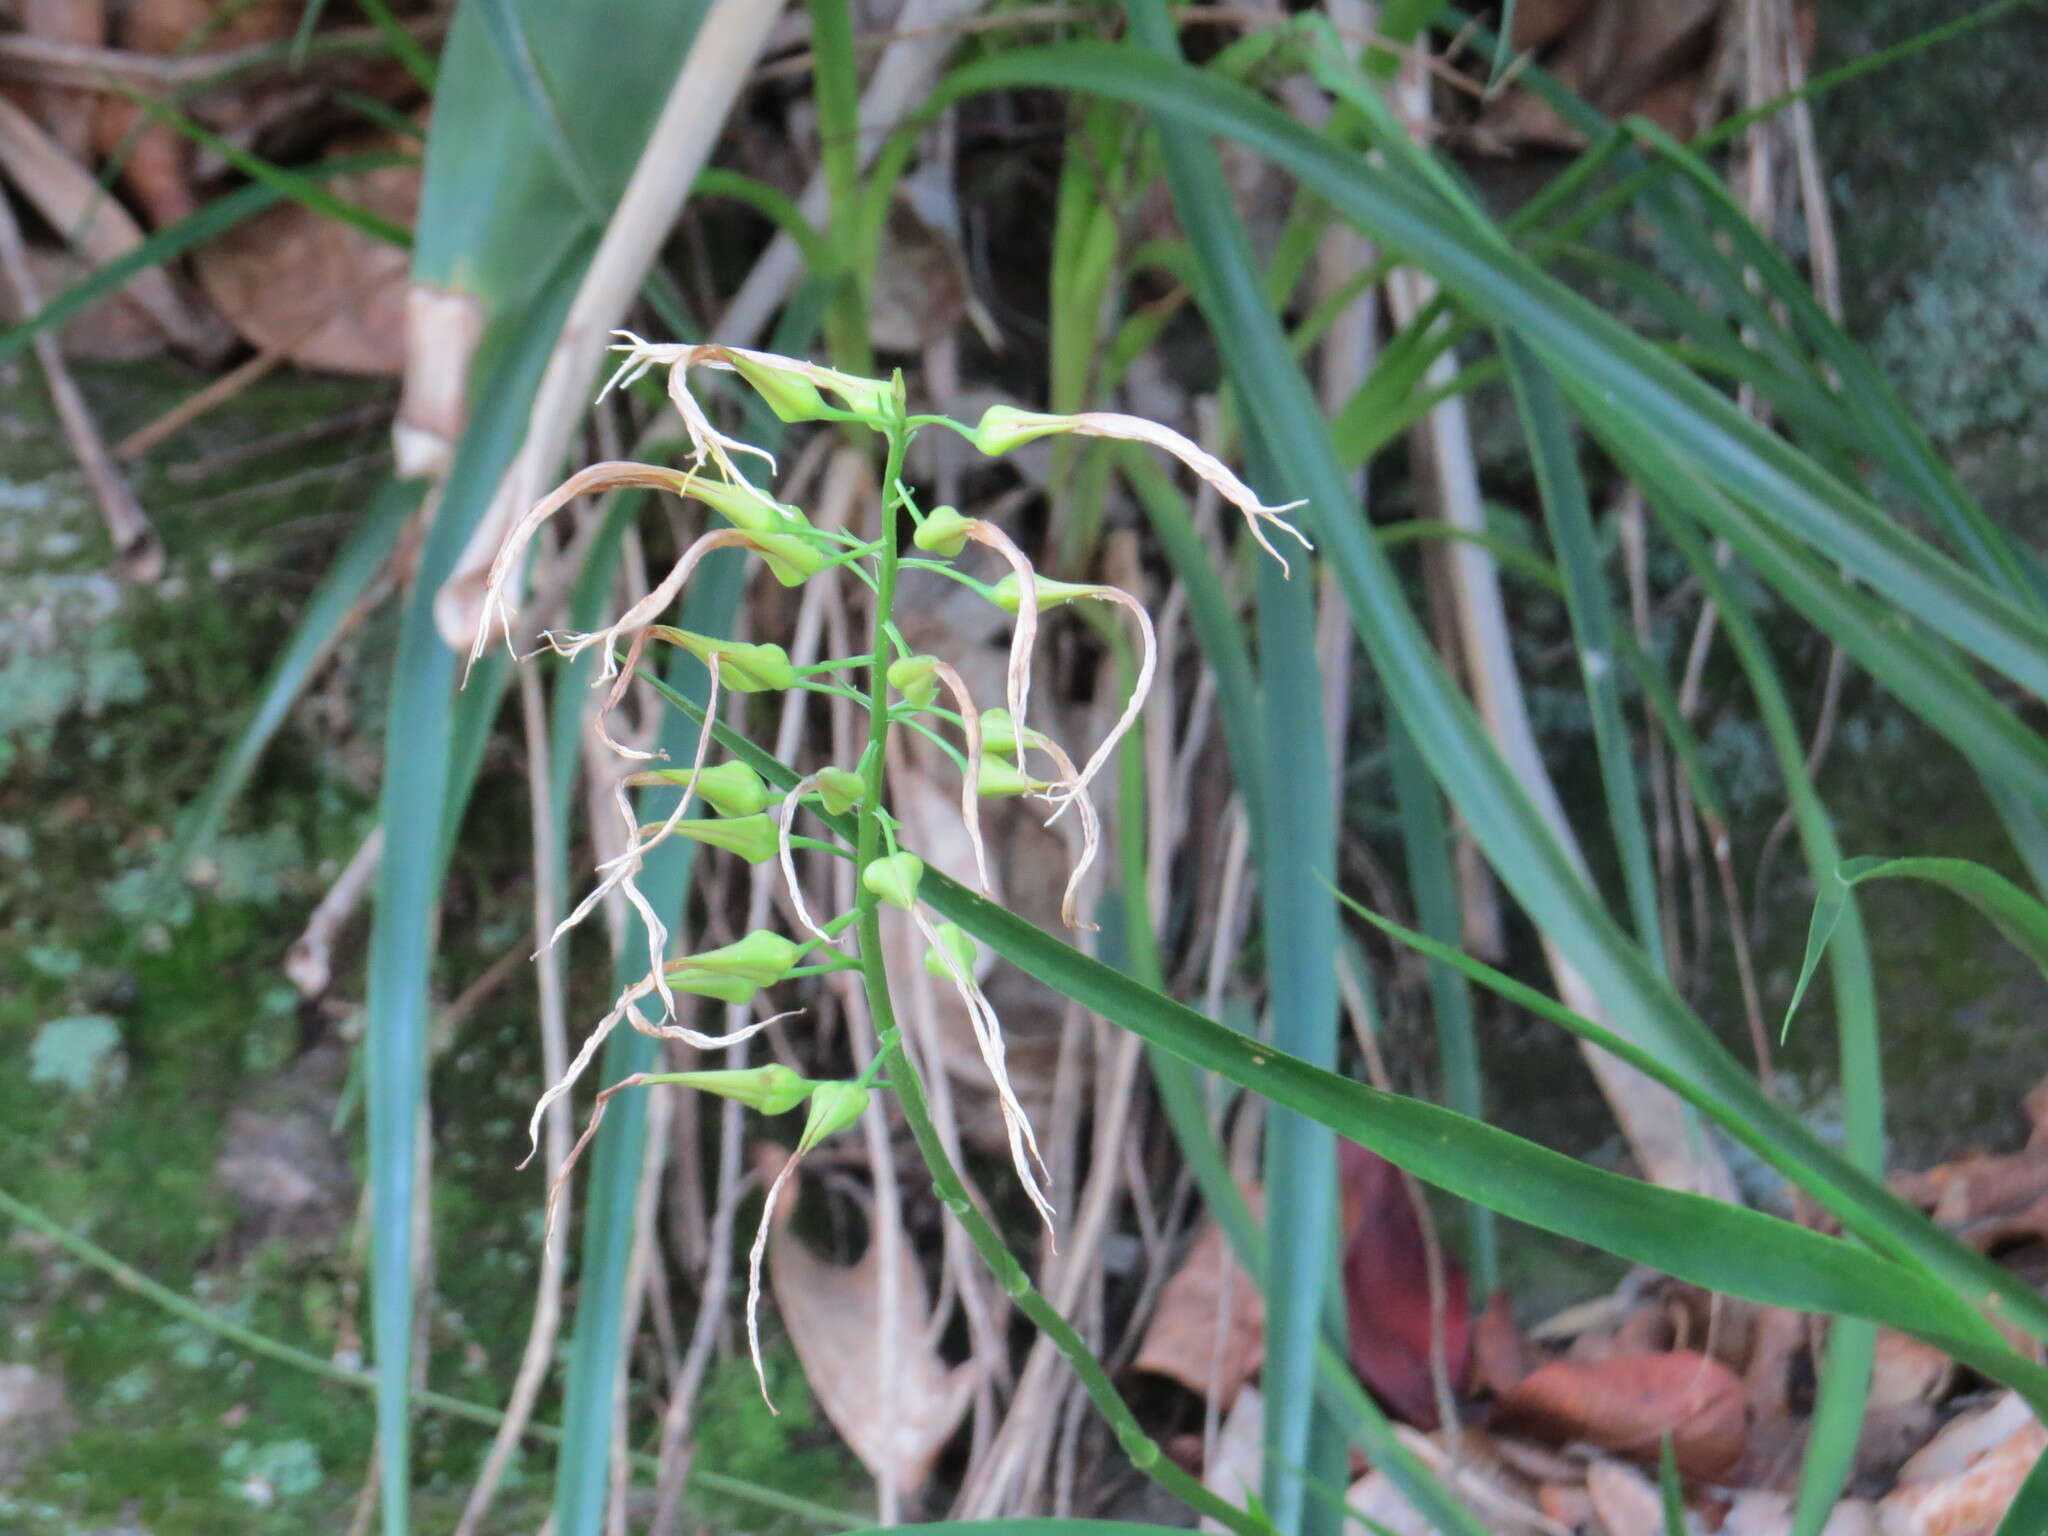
(2017, 915)
(1709, 1242)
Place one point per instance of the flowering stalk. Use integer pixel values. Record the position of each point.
(891, 1058)
(756, 823)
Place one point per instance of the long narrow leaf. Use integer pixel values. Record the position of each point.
(413, 812)
(1510, 828)
(1296, 867)
(1628, 379)
(1713, 1244)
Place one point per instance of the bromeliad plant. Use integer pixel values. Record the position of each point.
(996, 750)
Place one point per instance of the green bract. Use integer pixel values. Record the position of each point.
(742, 668)
(895, 878)
(763, 957)
(791, 560)
(790, 395)
(733, 789)
(1000, 779)
(999, 734)
(744, 507)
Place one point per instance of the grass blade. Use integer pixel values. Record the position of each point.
(413, 811)
(1837, 1421)
(1508, 826)
(1628, 381)
(1713, 1244)
(1570, 520)
(1296, 869)
(301, 189)
(1432, 881)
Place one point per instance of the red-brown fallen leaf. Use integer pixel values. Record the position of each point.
(1387, 1293)
(1209, 1342)
(1628, 1403)
(1501, 1354)
(156, 160)
(1957, 1486)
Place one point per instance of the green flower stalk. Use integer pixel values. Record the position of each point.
(1003, 757)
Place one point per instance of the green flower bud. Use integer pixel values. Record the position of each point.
(763, 957)
(791, 560)
(835, 1107)
(753, 838)
(874, 401)
(895, 878)
(1004, 427)
(733, 789)
(1008, 594)
(915, 677)
(999, 734)
(841, 789)
(790, 395)
(943, 532)
(1000, 779)
(956, 942)
(743, 668)
(770, 1090)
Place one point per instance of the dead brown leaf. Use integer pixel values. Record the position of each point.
(1504, 1500)
(1625, 1500)
(156, 160)
(854, 1360)
(1627, 1404)
(1984, 1199)
(1501, 1354)
(98, 228)
(322, 293)
(109, 330)
(65, 111)
(1907, 1371)
(1963, 1481)
(1208, 1341)
(1652, 57)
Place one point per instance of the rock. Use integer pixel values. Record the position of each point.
(282, 1161)
(34, 1416)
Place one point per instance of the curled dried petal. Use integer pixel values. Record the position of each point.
(1212, 470)
(988, 1035)
(787, 858)
(970, 787)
